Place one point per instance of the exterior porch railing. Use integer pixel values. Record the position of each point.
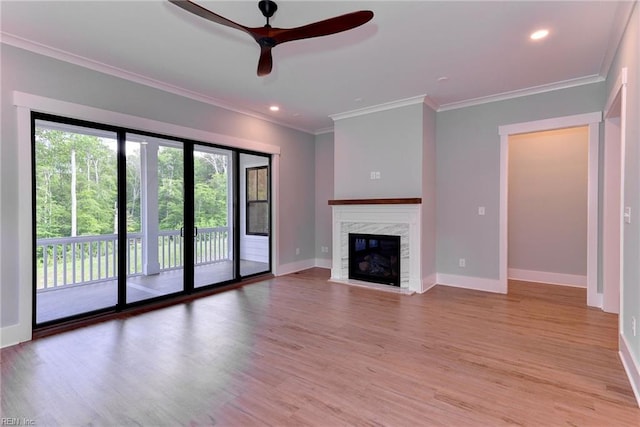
(72, 261)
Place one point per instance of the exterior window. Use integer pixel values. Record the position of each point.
(258, 201)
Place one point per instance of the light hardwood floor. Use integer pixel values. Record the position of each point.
(298, 350)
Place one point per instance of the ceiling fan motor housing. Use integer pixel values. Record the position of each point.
(268, 8)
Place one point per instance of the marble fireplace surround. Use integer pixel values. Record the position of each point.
(398, 217)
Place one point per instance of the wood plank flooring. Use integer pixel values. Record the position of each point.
(65, 301)
(298, 350)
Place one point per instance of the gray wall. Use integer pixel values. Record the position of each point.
(43, 76)
(429, 195)
(628, 55)
(389, 142)
(548, 201)
(468, 173)
(324, 192)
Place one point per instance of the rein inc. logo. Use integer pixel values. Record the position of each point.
(17, 421)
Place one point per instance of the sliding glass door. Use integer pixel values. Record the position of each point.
(213, 216)
(75, 220)
(124, 217)
(155, 217)
(255, 214)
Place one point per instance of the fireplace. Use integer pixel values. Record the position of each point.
(374, 258)
(386, 217)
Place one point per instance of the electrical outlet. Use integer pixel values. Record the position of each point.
(627, 215)
(377, 174)
(462, 262)
(373, 175)
(324, 249)
(297, 251)
(481, 210)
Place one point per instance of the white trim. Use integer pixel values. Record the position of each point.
(428, 282)
(468, 282)
(431, 103)
(630, 366)
(275, 202)
(14, 334)
(374, 286)
(323, 131)
(21, 331)
(101, 67)
(522, 92)
(547, 277)
(552, 123)
(620, 81)
(294, 267)
(613, 185)
(26, 103)
(84, 112)
(618, 27)
(420, 99)
(366, 216)
(323, 263)
(588, 119)
(592, 211)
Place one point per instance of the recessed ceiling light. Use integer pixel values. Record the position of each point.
(274, 108)
(540, 34)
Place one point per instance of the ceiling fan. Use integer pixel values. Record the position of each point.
(269, 37)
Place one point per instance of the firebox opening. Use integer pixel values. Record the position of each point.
(374, 258)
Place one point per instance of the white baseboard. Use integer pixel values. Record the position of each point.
(323, 263)
(548, 277)
(468, 282)
(294, 267)
(14, 334)
(631, 366)
(428, 282)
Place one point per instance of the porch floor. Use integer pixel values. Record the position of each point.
(68, 301)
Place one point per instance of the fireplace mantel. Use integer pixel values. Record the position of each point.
(397, 201)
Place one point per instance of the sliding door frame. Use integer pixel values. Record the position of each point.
(188, 256)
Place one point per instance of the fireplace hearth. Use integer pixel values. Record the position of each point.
(374, 258)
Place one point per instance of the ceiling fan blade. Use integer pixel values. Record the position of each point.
(325, 27)
(196, 9)
(266, 61)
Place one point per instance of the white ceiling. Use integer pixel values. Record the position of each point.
(482, 47)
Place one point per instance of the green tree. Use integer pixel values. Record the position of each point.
(95, 190)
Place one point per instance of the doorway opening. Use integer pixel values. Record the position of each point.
(591, 120)
(547, 206)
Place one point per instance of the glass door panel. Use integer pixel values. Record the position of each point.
(155, 217)
(75, 185)
(213, 219)
(255, 218)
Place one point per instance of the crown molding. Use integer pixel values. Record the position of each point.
(420, 99)
(323, 131)
(61, 55)
(620, 24)
(431, 103)
(522, 92)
